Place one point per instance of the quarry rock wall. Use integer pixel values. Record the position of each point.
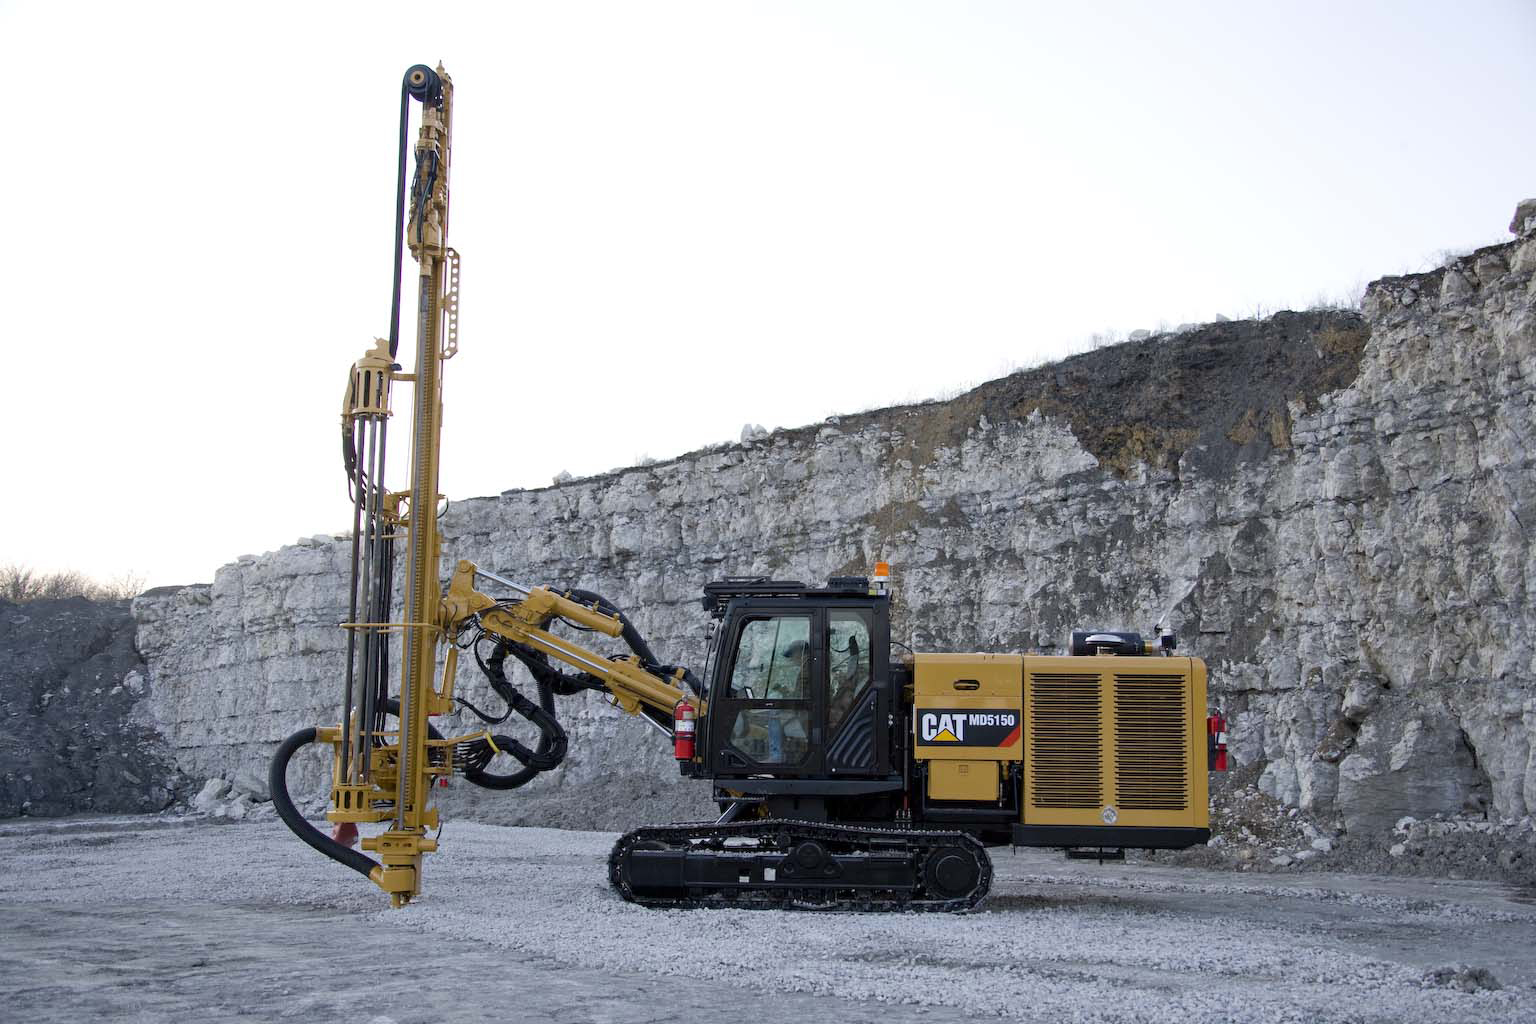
(1332, 509)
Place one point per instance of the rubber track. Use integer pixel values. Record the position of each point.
(917, 842)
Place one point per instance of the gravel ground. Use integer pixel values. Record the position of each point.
(150, 918)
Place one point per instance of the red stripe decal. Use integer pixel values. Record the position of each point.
(1013, 737)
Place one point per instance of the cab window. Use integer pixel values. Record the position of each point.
(773, 660)
(849, 662)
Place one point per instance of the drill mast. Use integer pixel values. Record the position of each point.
(383, 773)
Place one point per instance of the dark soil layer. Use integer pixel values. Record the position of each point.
(69, 741)
(1222, 390)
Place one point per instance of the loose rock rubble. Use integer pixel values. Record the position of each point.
(221, 801)
(1252, 831)
(1462, 978)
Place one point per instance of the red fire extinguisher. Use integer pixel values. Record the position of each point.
(683, 718)
(1216, 741)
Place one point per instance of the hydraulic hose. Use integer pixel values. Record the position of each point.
(552, 744)
(563, 684)
(631, 635)
(277, 780)
(632, 638)
(420, 83)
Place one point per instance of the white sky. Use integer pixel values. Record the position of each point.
(675, 219)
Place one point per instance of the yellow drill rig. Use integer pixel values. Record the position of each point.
(848, 777)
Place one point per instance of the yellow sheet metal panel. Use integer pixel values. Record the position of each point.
(994, 675)
(1065, 741)
(968, 707)
(1199, 790)
(963, 780)
(1113, 741)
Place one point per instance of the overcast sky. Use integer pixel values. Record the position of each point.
(675, 219)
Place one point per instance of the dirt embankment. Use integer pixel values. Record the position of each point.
(1224, 388)
(72, 738)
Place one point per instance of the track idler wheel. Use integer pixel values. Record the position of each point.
(952, 872)
(810, 859)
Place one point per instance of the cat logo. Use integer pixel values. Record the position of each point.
(955, 727)
(941, 728)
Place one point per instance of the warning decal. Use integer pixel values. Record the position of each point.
(968, 728)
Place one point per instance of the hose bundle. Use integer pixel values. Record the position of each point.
(474, 757)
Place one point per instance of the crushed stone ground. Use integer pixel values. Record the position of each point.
(147, 918)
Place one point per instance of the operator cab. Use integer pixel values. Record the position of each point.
(800, 697)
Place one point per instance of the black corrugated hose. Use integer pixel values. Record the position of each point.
(552, 743)
(277, 782)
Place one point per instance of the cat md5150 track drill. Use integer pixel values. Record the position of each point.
(847, 776)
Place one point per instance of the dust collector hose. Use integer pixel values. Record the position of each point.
(277, 781)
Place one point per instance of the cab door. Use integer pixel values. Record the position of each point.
(767, 705)
(857, 695)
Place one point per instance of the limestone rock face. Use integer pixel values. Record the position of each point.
(1524, 222)
(240, 664)
(1333, 509)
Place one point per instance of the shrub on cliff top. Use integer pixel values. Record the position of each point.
(19, 583)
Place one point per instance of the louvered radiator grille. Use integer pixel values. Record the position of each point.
(1151, 743)
(1065, 748)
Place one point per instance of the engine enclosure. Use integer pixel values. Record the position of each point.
(1099, 750)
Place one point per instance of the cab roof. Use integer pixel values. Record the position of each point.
(719, 594)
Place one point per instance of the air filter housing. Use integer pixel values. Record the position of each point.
(1090, 642)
